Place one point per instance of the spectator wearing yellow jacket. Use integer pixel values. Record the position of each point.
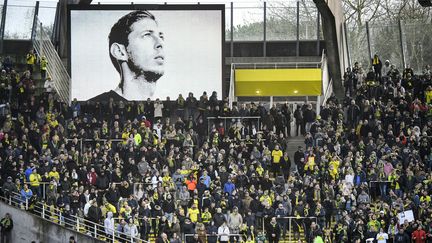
(30, 60)
(54, 174)
(193, 213)
(35, 180)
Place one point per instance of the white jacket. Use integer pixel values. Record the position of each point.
(86, 208)
(223, 232)
(109, 224)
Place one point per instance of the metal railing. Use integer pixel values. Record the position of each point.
(211, 120)
(298, 220)
(213, 235)
(326, 83)
(83, 140)
(70, 221)
(42, 185)
(55, 68)
(276, 65)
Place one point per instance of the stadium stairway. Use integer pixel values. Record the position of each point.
(293, 144)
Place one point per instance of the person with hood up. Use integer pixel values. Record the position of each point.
(109, 225)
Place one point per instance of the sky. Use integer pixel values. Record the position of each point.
(245, 10)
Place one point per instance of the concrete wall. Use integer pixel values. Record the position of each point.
(28, 228)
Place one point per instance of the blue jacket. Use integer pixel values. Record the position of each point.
(26, 194)
(206, 181)
(229, 187)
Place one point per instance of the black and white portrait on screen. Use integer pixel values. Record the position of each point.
(136, 47)
(151, 54)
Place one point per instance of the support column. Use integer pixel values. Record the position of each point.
(401, 43)
(318, 34)
(347, 44)
(298, 30)
(331, 13)
(54, 34)
(2, 25)
(232, 31)
(265, 30)
(368, 41)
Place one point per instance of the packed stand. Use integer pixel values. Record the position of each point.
(163, 169)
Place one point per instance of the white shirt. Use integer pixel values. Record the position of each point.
(223, 232)
(155, 180)
(49, 85)
(158, 109)
(86, 208)
(382, 237)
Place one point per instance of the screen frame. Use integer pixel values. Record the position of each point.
(150, 7)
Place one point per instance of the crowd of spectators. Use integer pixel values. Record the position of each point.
(162, 169)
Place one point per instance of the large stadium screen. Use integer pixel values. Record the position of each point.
(137, 52)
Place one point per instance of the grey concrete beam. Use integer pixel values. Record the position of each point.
(332, 19)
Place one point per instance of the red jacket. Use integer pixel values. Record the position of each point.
(419, 236)
(91, 178)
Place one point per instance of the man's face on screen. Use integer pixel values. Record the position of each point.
(145, 49)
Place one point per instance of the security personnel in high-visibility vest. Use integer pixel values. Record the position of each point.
(43, 67)
(206, 217)
(31, 60)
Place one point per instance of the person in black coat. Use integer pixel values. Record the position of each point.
(94, 214)
(112, 195)
(188, 229)
(6, 225)
(218, 217)
(145, 228)
(212, 231)
(299, 159)
(273, 231)
(401, 237)
(162, 239)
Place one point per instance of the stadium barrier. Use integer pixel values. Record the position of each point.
(57, 216)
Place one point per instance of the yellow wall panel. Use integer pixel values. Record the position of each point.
(278, 82)
(303, 74)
